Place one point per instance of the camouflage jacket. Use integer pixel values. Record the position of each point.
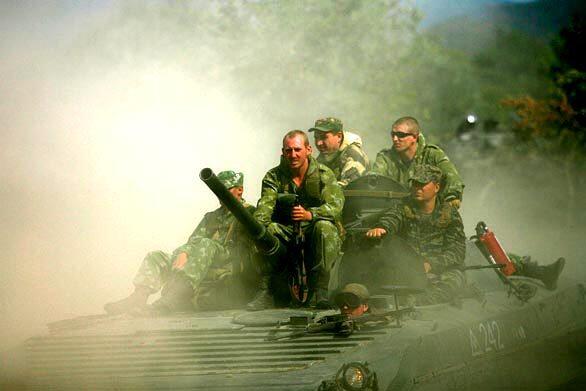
(220, 226)
(319, 193)
(348, 163)
(439, 237)
(390, 164)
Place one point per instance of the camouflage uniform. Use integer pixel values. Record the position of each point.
(438, 237)
(319, 194)
(348, 163)
(389, 163)
(218, 253)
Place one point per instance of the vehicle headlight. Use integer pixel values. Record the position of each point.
(356, 376)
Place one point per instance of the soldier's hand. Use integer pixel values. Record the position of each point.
(427, 267)
(455, 203)
(298, 213)
(180, 261)
(376, 233)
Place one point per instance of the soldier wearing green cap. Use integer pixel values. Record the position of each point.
(434, 230)
(341, 151)
(318, 212)
(211, 270)
(410, 149)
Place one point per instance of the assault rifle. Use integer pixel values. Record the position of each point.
(340, 325)
(298, 279)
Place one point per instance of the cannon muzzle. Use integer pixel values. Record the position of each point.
(264, 240)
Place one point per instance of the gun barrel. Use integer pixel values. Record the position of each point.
(264, 240)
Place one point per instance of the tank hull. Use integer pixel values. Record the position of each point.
(502, 344)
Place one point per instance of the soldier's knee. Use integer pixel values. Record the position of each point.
(325, 228)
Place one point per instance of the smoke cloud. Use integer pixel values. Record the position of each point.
(107, 118)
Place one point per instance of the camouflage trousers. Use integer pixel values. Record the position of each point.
(442, 288)
(157, 267)
(321, 250)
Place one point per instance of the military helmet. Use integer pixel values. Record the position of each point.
(352, 295)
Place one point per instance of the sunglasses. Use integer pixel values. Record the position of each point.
(401, 134)
(348, 300)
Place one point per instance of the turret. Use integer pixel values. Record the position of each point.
(265, 241)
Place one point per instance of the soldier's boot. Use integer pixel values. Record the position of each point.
(322, 301)
(547, 274)
(320, 279)
(176, 296)
(263, 299)
(136, 300)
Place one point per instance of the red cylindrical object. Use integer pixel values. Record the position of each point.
(492, 245)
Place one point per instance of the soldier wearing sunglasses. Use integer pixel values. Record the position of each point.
(352, 300)
(409, 149)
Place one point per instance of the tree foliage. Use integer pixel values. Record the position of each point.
(556, 124)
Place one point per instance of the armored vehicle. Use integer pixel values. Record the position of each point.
(494, 341)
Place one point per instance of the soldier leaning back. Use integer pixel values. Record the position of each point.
(213, 265)
(409, 149)
(319, 213)
(340, 150)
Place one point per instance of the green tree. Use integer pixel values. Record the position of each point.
(554, 127)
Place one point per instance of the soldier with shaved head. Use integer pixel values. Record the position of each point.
(317, 214)
(410, 149)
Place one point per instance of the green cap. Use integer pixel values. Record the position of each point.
(357, 293)
(329, 124)
(425, 173)
(231, 179)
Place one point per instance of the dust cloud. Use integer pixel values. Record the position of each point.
(103, 134)
(99, 165)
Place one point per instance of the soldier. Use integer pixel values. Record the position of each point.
(212, 264)
(318, 213)
(352, 300)
(433, 230)
(409, 149)
(340, 150)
